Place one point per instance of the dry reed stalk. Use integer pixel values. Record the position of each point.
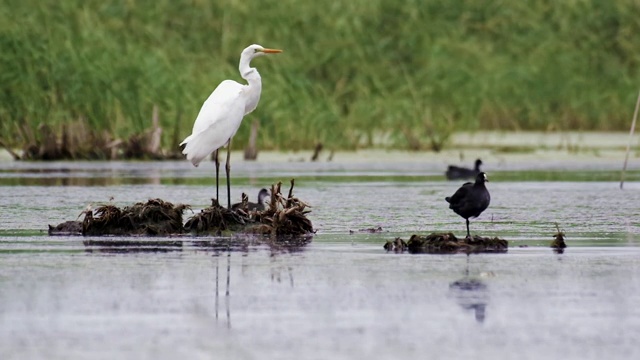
(251, 151)
(633, 128)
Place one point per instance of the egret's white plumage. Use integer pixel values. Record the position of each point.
(217, 122)
(221, 114)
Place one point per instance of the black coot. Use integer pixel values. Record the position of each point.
(260, 206)
(457, 173)
(471, 199)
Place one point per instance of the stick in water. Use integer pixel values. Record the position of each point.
(633, 128)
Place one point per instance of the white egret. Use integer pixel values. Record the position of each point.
(221, 114)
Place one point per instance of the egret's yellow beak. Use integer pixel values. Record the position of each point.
(271, 51)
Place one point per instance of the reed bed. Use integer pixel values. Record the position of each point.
(360, 73)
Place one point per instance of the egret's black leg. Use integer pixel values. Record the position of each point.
(228, 168)
(217, 161)
(468, 234)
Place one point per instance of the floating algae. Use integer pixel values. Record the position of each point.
(447, 243)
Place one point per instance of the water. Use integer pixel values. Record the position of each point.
(341, 296)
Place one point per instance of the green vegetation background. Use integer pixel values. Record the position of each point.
(354, 73)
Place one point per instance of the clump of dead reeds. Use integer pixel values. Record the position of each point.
(216, 219)
(283, 216)
(77, 140)
(447, 243)
(155, 217)
(558, 244)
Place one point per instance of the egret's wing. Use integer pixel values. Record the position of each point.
(218, 120)
(226, 95)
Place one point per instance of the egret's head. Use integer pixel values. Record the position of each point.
(250, 52)
(256, 50)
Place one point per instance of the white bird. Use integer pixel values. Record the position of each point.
(222, 113)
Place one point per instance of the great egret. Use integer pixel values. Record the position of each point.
(221, 114)
(471, 199)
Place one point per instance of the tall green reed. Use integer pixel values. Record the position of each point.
(354, 74)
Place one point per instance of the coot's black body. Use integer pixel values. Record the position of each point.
(470, 200)
(458, 173)
(260, 206)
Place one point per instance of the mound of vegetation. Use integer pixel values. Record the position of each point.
(284, 216)
(558, 245)
(153, 218)
(447, 243)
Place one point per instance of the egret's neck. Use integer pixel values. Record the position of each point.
(253, 88)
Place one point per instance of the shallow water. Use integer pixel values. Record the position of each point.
(341, 296)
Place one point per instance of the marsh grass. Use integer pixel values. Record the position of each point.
(413, 70)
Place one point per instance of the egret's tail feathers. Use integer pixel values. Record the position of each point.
(198, 147)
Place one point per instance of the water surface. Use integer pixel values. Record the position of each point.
(340, 296)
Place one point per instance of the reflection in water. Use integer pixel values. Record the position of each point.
(226, 294)
(277, 270)
(85, 180)
(244, 242)
(275, 274)
(127, 246)
(227, 291)
(220, 246)
(471, 294)
(217, 283)
(291, 246)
